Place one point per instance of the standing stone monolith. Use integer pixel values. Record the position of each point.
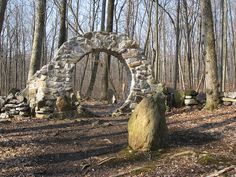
(147, 129)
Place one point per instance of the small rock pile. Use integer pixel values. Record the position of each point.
(190, 98)
(14, 104)
(229, 98)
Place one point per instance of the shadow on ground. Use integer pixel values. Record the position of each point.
(61, 163)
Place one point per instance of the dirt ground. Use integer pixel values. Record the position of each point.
(200, 143)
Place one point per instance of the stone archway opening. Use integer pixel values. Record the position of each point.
(51, 91)
(91, 93)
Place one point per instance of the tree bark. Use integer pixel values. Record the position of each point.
(176, 68)
(224, 43)
(109, 28)
(157, 46)
(63, 30)
(3, 5)
(97, 55)
(38, 38)
(212, 93)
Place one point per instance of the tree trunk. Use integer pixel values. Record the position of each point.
(97, 55)
(38, 38)
(157, 47)
(212, 92)
(176, 68)
(63, 30)
(224, 44)
(3, 5)
(107, 58)
(189, 51)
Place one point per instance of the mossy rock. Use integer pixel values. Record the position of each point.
(178, 98)
(190, 93)
(63, 103)
(147, 129)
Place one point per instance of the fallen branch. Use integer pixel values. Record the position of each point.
(222, 171)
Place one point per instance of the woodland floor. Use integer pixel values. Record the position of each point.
(200, 143)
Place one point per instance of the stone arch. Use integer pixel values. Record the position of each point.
(54, 80)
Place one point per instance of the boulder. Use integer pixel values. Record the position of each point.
(178, 98)
(147, 129)
(201, 97)
(63, 103)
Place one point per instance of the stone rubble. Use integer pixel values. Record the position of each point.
(229, 98)
(15, 104)
(191, 98)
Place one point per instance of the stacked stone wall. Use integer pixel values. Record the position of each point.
(54, 80)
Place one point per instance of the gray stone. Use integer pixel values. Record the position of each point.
(146, 91)
(188, 97)
(50, 103)
(22, 108)
(47, 109)
(2, 102)
(13, 101)
(43, 77)
(227, 103)
(43, 116)
(22, 105)
(4, 116)
(190, 102)
(24, 114)
(133, 105)
(19, 97)
(10, 96)
(10, 106)
(13, 112)
(5, 120)
(40, 96)
(230, 95)
(147, 129)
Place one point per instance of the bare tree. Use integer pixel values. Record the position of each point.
(38, 38)
(210, 56)
(63, 29)
(109, 28)
(3, 5)
(96, 56)
(177, 32)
